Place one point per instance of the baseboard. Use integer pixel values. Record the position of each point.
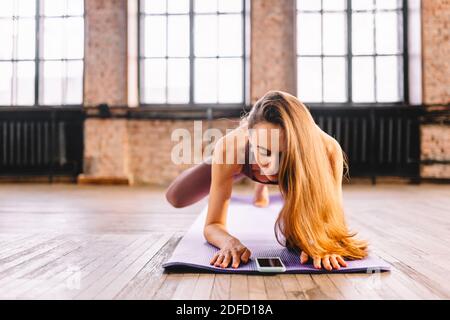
(37, 179)
(436, 180)
(378, 180)
(83, 179)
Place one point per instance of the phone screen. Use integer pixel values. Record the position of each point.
(269, 262)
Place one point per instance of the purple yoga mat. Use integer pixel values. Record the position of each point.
(254, 227)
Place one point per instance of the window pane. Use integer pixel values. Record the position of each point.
(362, 5)
(178, 6)
(178, 81)
(178, 36)
(154, 81)
(334, 80)
(25, 83)
(387, 24)
(363, 89)
(26, 8)
(230, 80)
(53, 38)
(6, 8)
(75, 7)
(206, 35)
(362, 33)
(388, 4)
(309, 79)
(308, 34)
(74, 82)
(52, 83)
(230, 35)
(54, 7)
(205, 80)
(334, 5)
(230, 5)
(155, 6)
(6, 38)
(155, 36)
(74, 38)
(388, 86)
(308, 5)
(26, 39)
(334, 33)
(205, 5)
(5, 82)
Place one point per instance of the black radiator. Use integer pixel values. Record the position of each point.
(38, 141)
(378, 141)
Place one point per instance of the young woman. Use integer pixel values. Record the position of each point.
(309, 178)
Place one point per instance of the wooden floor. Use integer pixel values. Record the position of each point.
(108, 242)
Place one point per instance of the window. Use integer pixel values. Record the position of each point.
(45, 69)
(192, 52)
(351, 51)
(61, 53)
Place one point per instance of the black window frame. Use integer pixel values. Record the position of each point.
(191, 105)
(38, 59)
(405, 101)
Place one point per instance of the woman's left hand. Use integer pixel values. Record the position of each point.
(329, 261)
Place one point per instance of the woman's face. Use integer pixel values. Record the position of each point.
(268, 142)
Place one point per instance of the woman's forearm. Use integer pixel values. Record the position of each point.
(217, 235)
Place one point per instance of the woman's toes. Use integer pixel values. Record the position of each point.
(261, 202)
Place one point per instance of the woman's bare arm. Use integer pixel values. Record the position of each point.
(221, 187)
(337, 164)
(231, 250)
(336, 158)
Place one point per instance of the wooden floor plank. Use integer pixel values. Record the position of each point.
(221, 287)
(291, 287)
(168, 287)
(118, 244)
(90, 271)
(257, 288)
(132, 269)
(67, 267)
(186, 286)
(42, 276)
(274, 288)
(239, 287)
(203, 287)
(150, 278)
(115, 266)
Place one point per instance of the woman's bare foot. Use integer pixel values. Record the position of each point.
(261, 198)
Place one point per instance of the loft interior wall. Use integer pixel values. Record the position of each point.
(272, 55)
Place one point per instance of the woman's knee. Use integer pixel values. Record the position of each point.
(174, 198)
(190, 186)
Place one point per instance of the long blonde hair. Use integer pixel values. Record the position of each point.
(312, 218)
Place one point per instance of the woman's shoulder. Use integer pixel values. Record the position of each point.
(331, 144)
(335, 155)
(230, 149)
(235, 139)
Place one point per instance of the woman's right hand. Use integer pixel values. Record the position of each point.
(233, 252)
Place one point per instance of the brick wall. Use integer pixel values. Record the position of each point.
(105, 77)
(273, 50)
(139, 150)
(106, 147)
(151, 146)
(436, 84)
(105, 81)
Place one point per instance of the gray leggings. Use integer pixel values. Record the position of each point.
(192, 185)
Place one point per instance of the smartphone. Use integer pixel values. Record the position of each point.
(270, 264)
